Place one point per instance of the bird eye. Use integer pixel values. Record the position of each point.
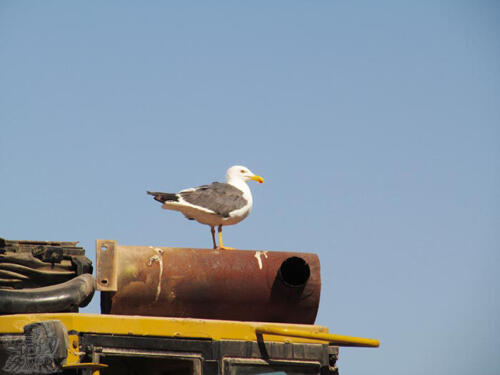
(242, 171)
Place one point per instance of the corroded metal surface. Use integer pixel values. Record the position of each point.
(211, 284)
(106, 266)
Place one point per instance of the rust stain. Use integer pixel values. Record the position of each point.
(247, 285)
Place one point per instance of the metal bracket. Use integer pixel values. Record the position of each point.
(106, 265)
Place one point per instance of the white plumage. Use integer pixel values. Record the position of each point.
(217, 204)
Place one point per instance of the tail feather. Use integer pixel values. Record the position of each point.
(164, 197)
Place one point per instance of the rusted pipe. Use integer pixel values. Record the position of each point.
(210, 284)
(64, 297)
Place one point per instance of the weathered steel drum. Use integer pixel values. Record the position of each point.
(244, 285)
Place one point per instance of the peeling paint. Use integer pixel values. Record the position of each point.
(157, 258)
(258, 257)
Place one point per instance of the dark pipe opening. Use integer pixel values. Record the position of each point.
(294, 271)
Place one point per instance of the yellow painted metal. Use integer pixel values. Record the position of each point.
(94, 367)
(154, 326)
(337, 340)
(88, 365)
(180, 327)
(73, 352)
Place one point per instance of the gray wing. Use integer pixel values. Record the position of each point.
(219, 197)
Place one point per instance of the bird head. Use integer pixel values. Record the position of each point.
(242, 173)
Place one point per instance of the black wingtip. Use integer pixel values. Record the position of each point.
(163, 197)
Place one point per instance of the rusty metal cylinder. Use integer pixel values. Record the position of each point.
(246, 285)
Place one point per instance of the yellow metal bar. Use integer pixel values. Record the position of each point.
(179, 327)
(338, 340)
(154, 326)
(86, 365)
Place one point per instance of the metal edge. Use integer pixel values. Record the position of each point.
(106, 265)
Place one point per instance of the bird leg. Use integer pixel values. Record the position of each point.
(212, 229)
(221, 246)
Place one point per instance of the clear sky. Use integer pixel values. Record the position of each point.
(376, 125)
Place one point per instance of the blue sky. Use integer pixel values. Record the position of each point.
(375, 124)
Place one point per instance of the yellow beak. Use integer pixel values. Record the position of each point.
(259, 179)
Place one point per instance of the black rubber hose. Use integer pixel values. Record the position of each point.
(64, 297)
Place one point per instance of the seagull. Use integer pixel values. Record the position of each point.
(217, 204)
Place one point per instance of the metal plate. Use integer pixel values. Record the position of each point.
(106, 265)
